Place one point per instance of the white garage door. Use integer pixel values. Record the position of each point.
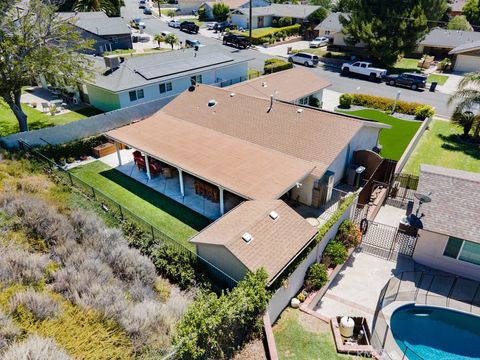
(467, 63)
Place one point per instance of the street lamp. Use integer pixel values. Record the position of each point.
(396, 99)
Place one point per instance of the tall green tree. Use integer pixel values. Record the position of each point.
(343, 5)
(459, 23)
(220, 11)
(36, 41)
(389, 28)
(471, 10)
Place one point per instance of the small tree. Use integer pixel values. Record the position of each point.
(220, 11)
(465, 120)
(471, 10)
(158, 38)
(459, 23)
(172, 40)
(171, 13)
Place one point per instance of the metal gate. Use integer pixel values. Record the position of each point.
(386, 241)
(402, 191)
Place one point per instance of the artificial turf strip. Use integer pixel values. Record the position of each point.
(395, 140)
(169, 216)
(440, 145)
(293, 341)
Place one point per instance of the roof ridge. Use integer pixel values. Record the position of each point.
(452, 174)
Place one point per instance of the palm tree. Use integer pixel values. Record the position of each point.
(467, 110)
(109, 7)
(159, 39)
(172, 40)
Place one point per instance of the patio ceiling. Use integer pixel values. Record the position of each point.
(244, 168)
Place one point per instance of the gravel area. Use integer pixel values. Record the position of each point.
(254, 350)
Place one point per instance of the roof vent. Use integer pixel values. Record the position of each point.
(247, 237)
(232, 94)
(264, 84)
(212, 103)
(299, 111)
(274, 215)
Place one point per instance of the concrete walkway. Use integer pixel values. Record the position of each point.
(451, 84)
(281, 50)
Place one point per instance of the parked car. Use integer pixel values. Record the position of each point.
(411, 80)
(241, 42)
(189, 27)
(211, 24)
(147, 11)
(142, 4)
(174, 23)
(192, 43)
(165, 33)
(304, 59)
(137, 23)
(363, 68)
(222, 26)
(319, 42)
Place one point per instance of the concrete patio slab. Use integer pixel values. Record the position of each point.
(390, 215)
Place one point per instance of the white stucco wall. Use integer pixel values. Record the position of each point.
(107, 101)
(429, 251)
(223, 259)
(304, 193)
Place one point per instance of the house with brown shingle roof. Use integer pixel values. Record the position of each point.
(449, 238)
(296, 85)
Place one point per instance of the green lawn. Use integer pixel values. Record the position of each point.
(293, 341)
(394, 140)
(440, 146)
(440, 79)
(404, 65)
(39, 120)
(167, 215)
(321, 52)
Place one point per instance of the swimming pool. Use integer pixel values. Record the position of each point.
(436, 333)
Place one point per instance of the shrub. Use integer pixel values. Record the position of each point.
(175, 264)
(346, 101)
(349, 234)
(276, 65)
(317, 277)
(301, 297)
(313, 102)
(35, 347)
(73, 149)
(424, 112)
(40, 305)
(19, 266)
(335, 253)
(385, 104)
(215, 326)
(8, 330)
(285, 21)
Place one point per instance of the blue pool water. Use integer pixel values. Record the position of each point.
(436, 333)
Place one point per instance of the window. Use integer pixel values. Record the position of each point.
(136, 95)
(463, 250)
(303, 101)
(327, 32)
(197, 79)
(165, 87)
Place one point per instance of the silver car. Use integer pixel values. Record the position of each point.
(319, 42)
(304, 59)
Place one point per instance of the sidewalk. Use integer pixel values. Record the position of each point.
(451, 84)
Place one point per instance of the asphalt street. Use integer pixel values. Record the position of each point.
(339, 83)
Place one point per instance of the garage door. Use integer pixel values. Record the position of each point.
(467, 63)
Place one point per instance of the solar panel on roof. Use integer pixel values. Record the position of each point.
(173, 67)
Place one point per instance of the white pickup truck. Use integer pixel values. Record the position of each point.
(363, 68)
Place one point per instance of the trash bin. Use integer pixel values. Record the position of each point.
(433, 86)
(289, 50)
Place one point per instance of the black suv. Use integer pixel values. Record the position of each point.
(241, 42)
(189, 27)
(411, 80)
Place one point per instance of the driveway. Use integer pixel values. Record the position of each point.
(356, 289)
(281, 50)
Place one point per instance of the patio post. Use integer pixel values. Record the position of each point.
(180, 178)
(222, 205)
(118, 154)
(147, 166)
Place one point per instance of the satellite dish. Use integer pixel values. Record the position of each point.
(422, 198)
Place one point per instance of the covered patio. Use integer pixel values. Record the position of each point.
(206, 171)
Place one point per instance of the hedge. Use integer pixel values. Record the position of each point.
(276, 65)
(386, 104)
(260, 36)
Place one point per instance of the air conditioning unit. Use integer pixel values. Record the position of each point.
(112, 62)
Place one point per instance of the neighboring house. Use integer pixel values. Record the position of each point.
(148, 77)
(464, 45)
(450, 237)
(331, 27)
(263, 16)
(271, 226)
(189, 7)
(232, 4)
(289, 85)
(456, 7)
(267, 164)
(109, 33)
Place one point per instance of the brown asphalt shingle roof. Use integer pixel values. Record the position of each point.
(454, 209)
(289, 85)
(243, 168)
(275, 242)
(311, 135)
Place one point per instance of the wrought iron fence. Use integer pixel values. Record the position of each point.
(425, 289)
(403, 190)
(120, 212)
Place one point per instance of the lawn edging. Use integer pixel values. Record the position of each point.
(269, 337)
(412, 145)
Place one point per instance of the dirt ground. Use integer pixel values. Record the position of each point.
(254, 350)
